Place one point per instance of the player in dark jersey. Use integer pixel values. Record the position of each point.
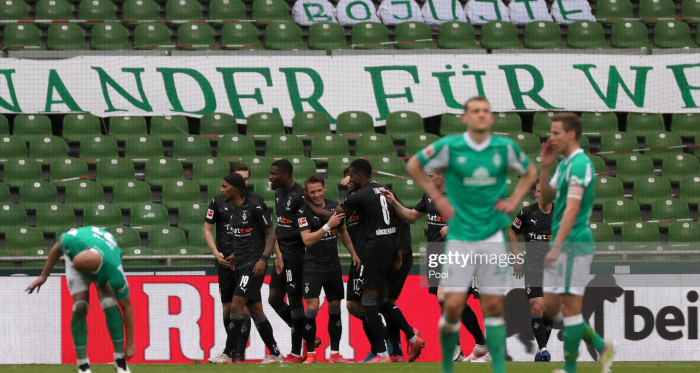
(322, 267)
(534, 222)
(289, 198)
(253, 238)
(437, 230)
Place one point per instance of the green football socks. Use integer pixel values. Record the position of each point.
(78, 328)
(115, 325)
(449, 336)
(593, 338)
(574, 329)
(496, 342)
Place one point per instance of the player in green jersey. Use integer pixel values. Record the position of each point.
(93, 256)
(476, 207)
(568, 261)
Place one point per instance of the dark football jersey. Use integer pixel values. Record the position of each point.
(323, 255)
(378, 217)
(287, 204)
(536, 229)
(219, 213)
(435, 220)
(248, 224)
(352, 225)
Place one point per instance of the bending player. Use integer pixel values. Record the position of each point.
(253, 238)
(322, 267)
(476, 169)
(567, 264)
(93, 256)
(437, 230)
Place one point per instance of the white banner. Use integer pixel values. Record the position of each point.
(378, 84)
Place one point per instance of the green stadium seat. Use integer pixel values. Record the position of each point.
(103, 215)
(354, 123)
(24, 239)
(4, 125)
(47, 149)
(80, 195)
(176, 193)
(12, 147)
(416, 143)
(127, 238)
(55, 218)
(77, 127)
(18, 171)
(686, 231)
(149, 215)
(21, 35)
(33, 194)
(96, 10)
(264, 125)
(602, 233)
(128, 194)
(542, 124)
(503, 123)
(584, 144)
(197, 242)
(183, 256)
(402, 124)
(617, 141)
(112, 171)
(214, 189)
(94, 149)
(689, 190)
(310, 123)
(235, 147)
(4, 194)
(190, 216)
(283, 36)
(187, 149)
(629, 34)
(270, 10)
(685, 125)
(697, 149)
(663, 139)
(12, 216)
(543, 35)
(109, 37)
(265, 191)
(607, 188)
(139, 251)
(657, 9)
(642, 124)
(672, 34)
(151, 36)
(209, 170)
(226, 10)
(183, 10)
(451, 124)
(613, 9)
(284, 146)
(52, 10)
(160, 171)
(408, 32)
(14, 10)
(166, 238)
(139, 10)
(595, 123)
(217, 124)
(648, 190)
(619, 211)
(586, 35)
(680, 166)
(690, 9)
(457, 35)
(332, 192)
(390, 164)
(67, 168)
(417, 238)
(329, 146)
(528, 143)
(370, 35)
(336, 166)
(199, 35)
(303, 167)
(122, 128)
(634, 166)
(327, 36)
(65, 37)
(640, 232)
(240, 36)
(139, 149)
(499, 35)
(598, 163)
(375, 145)
(408, 191)
(168, 128)
(669, 208)
(32, 126)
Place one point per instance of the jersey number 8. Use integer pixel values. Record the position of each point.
(385, 210)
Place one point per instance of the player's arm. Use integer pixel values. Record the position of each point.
(408, 215)
(211, 242)
(347, 241)
(322, 213)
(416, 169)
(54, 257)
(547, 155)
(128, 317)
(312, 238)
(524, 185)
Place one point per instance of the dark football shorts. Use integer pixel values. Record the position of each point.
(247, 285)
(378, 259)
(397, 277)
(227, 283)
(533, 283)
(354, 291)
(330, 282)
(294, 275)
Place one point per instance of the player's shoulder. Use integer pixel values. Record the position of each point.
(527, 209)
(218, 199)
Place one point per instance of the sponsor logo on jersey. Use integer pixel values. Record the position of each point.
(496, 160)
(429, 151)
(281, 220)
(539, 237)
(533, 221)
(210, 213)
(517, 223)
(241, 231)
(480, 176)
(435, 218)
(245, 215)
(385, 231)
(302, 222)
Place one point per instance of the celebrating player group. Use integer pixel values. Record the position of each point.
(464, 177)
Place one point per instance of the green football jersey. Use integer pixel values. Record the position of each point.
(574, 178)
(475, 178)
(110, 271)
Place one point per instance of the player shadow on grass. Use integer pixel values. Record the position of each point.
(600, 289)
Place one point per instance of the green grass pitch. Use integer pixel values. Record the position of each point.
(619, 367)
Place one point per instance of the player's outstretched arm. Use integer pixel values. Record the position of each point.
(311, 238)
(513, 241)
(408, 215)
(128, 315)
(54, 257)
(415, 169)
(211, 242)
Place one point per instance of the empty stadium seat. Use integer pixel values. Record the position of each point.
(613, 9)
(20, 170)
(584, 144)
(33, 194)
(451, 124)
(631, 167)
(55, 218)
(690, 9)
(354, 123)
(112, 171)
(190, 216)
(672, 34)
(103, 215)
(656, 9)
(47, 149)
(642, 124)
(602, 232)
(148, 215)
(4, 125)
(177, 192)
(4, 194)
(96, 10)
(375, 145)
(685, 125)
(160, 171)
(77, 127)
(270, 10)
(121, 128)
(283, 36)
(94, 149)
(640, 232)
(303, 167)
(416, 143)
(402, 124)
(499, 35)
(648, 190)
(336, 166)
(209, 170)
(128, 194)
(12, 147)
(265, 191)
(543, 35)
(332, 193)
(617, 141)
(166, 238)
(168, 128)
(264, 125)
(197, 243)
(217, 124)
(284, 146)
(80, 195)
(408, 191)
(663, 139)
(620, 210)
(235, 147)
(629, 34)
(668, 209)
(214, 189)
(127, 238)
(598, 163)
(370, 35)
(140, 10)
(23, 239)
(183, 10)
(329, 146)
(327, 36)
(139, 149)
(240, 36)
(14, 10)
(407, 34)
(226, 10)
(503, 123)
(24, 35)
(542, 123)
(687, 231)
(12, 216)
(457, 35)
(187, 149)
(595, 123)
(606, 189)
(390, 164)
(680, 166)
(65, 37)
(31, 126)
(259, 169)
(689, 189)
(109, 37)
(53, 10)
(152, 36)
(310, 123)
(195, 36)
(528, 143)
(67, 168)
(586, 35)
